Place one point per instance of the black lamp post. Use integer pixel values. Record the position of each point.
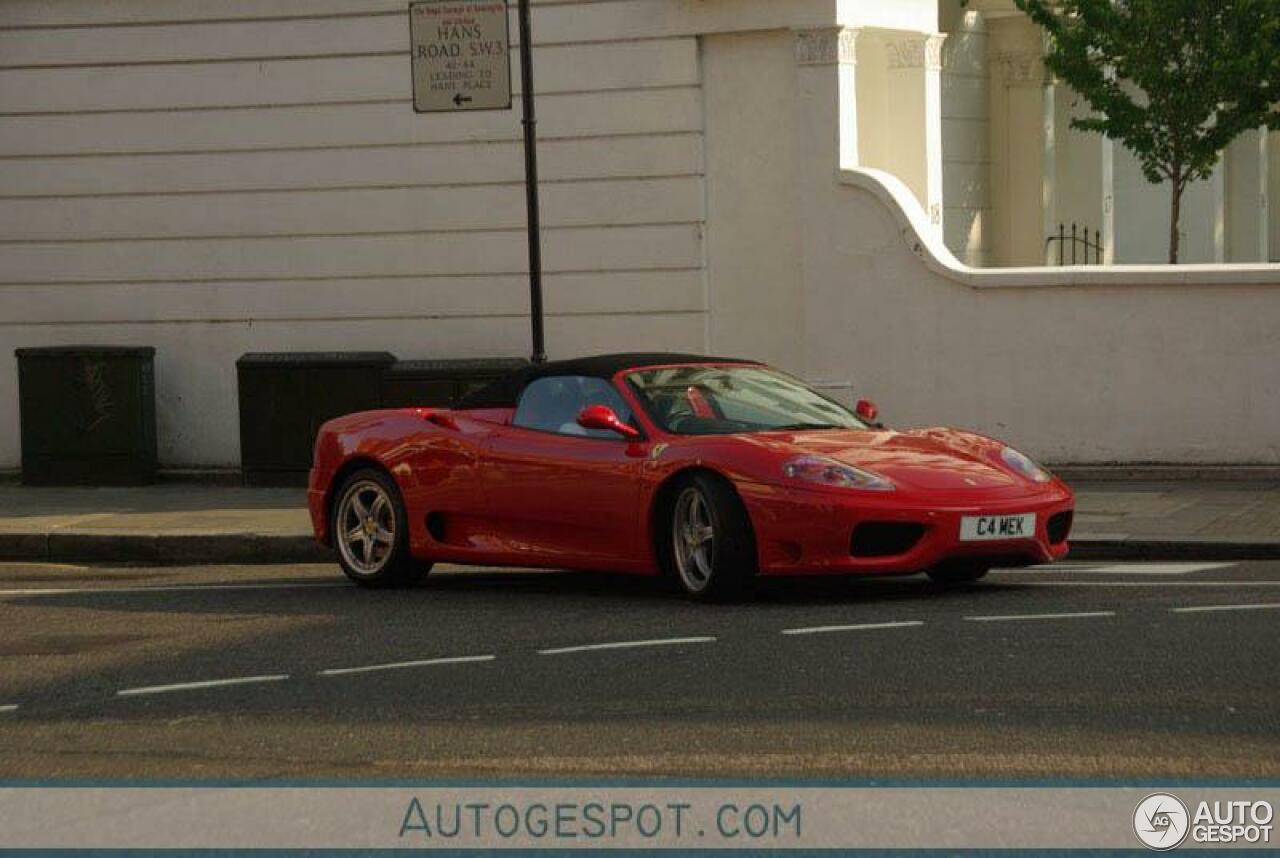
(530, 123)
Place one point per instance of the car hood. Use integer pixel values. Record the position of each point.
(928, 459)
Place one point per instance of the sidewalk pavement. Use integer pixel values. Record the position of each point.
(1175, 519)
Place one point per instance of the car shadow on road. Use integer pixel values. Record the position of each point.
(790, 590)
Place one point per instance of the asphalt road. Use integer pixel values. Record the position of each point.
(1085, 670)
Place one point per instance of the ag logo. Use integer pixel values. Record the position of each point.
(1161, 821)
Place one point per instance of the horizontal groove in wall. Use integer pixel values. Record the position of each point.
(389, 10)
(432, 317)
(294, 105)
(350, 146)
(173, 281)
(542, 182)
(196, 22)
(386, 233)
(331, 55)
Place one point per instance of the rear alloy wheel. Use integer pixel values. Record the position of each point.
(370, 531)
(708, 546)
(959, 573)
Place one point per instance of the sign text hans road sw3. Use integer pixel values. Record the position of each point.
(461, 55)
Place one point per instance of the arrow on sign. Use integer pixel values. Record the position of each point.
(461, 99)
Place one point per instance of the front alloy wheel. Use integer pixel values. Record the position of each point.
(707, 545)
(693, 537)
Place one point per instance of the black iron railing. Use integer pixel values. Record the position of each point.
(1080, 244)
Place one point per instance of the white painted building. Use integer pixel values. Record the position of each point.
(767, 178)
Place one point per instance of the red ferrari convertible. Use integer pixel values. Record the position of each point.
(706, 470)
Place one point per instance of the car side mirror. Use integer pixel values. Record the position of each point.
(603, 417)
(440, 418)
(867, 412)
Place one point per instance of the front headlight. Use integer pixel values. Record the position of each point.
(1024, 466)
(829, 472)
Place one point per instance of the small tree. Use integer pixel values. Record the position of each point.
(1174, 81)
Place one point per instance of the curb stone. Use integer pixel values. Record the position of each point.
(166, 550)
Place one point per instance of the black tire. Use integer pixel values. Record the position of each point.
(953, 574)
(729, 566)
(380, 562)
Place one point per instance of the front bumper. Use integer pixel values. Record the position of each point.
(800, 532)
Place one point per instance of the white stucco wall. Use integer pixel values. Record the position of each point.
(1135, 363)
(250, 176)
(1097, 365)
(258, 182)
(753, 255)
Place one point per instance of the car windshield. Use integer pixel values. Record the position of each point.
(718, 400)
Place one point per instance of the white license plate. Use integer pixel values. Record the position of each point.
(982, 528)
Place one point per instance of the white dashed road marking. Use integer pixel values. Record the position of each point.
(176, 588)
(625, 645)
(1062, 566)
(1159, 568)
(1119, 568)
(428, 662)
(1010, 617)
(1114, 571)
(1203, 609)
(193, 686)
(860, 627)
(1163, 585)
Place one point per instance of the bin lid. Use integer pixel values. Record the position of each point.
(86, 351)
(305, 359)
(457, 366)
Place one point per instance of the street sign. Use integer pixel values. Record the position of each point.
(461, 60)
(461, 55)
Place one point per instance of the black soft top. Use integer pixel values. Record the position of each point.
(505, 392)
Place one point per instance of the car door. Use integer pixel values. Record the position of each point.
(445, 498)
(560, 494)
